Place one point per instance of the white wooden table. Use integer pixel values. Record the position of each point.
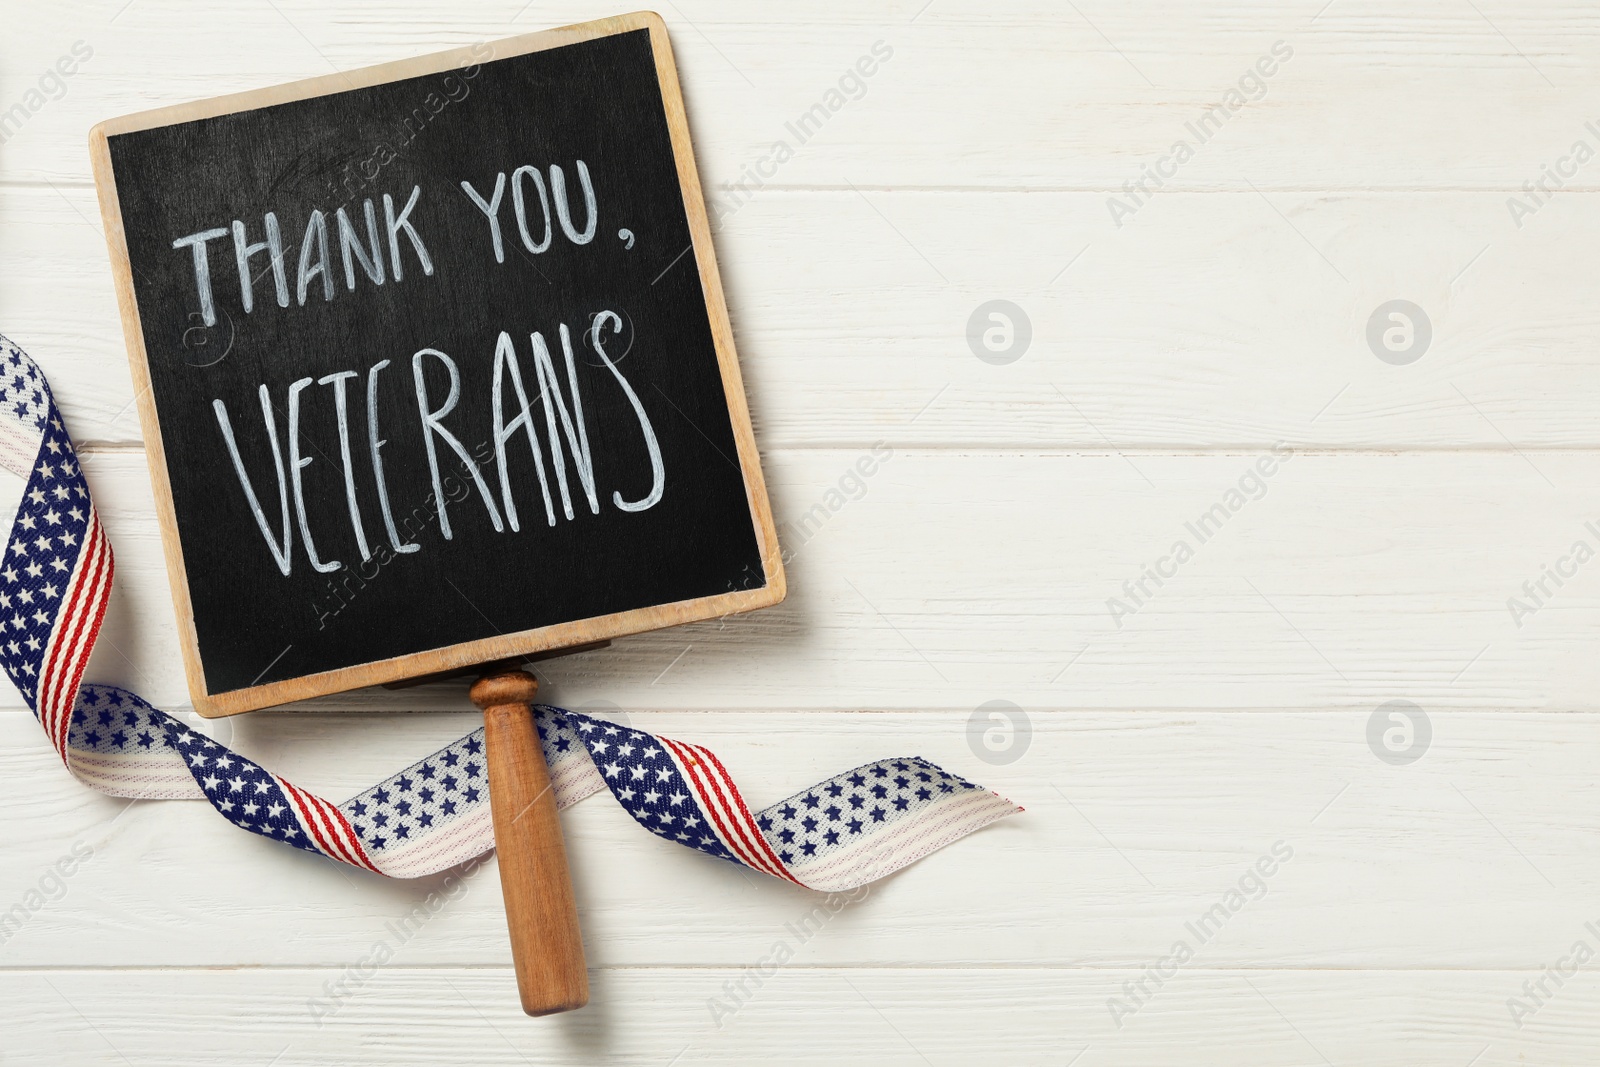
(1172, 746)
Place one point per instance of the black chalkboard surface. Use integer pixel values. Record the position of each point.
(434, 365)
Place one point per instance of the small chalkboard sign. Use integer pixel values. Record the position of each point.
(433, 365)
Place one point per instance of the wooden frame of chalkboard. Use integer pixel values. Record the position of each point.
(212, 700)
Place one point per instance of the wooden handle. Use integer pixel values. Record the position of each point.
(546, 944)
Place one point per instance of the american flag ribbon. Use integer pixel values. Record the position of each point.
(55, 582)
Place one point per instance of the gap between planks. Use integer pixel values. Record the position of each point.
(1240, 449)
(815, 968)
(1212, 188)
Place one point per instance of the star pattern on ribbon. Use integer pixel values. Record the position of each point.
(56, 579)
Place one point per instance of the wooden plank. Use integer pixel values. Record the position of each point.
(1138, 826)
(948, 579)
(827, 1017)
(1209, 323)
(1375, 96)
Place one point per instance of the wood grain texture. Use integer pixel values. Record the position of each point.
(948, 579)
(821, 1016)
(1137, 823)
(546, 944)
(1207, 323)
(1166, 755)
(1432, 96)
